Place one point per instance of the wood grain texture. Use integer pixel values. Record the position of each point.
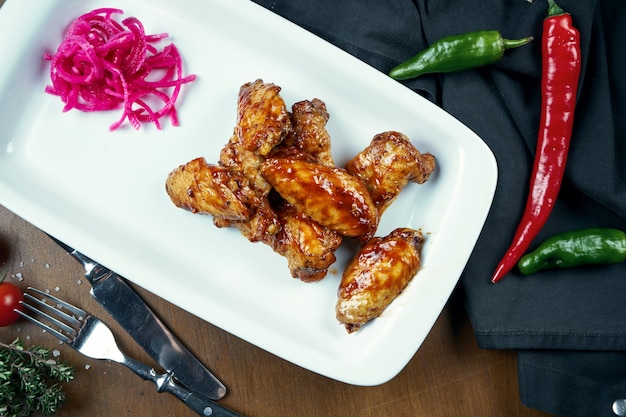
(449, 375)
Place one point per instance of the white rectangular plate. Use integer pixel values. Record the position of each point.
(103, 192)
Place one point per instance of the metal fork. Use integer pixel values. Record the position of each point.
(93, 338)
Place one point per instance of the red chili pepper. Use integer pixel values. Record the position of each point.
(559, 84)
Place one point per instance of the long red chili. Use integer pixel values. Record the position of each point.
(559, 84)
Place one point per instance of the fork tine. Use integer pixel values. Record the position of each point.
(56, 316)
(56, 321)
(47, 328)
(72, 308)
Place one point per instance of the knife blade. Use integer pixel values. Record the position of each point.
(144, 326)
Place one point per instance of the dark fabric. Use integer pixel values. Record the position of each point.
(552, 312)
(575, 383)
(567, 309)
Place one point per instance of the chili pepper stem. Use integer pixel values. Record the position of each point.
(554, 9)
(514, 43)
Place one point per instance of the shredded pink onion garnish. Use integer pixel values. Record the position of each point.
(102, 64)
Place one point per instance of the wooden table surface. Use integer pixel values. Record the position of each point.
(448, 376)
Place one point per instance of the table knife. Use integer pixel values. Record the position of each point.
(143, 325)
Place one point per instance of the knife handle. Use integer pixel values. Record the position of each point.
(197, 402)
(206, 407)
(165, 383)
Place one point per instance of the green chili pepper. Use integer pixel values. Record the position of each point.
(595, 246)
(456, 53)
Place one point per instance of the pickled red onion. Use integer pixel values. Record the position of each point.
(103, 64)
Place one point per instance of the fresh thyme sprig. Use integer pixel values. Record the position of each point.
(27, 380)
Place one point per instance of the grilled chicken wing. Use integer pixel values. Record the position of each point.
(235, 193)
(262, 117)
(377, 275)
(308, 246)
(262, 123)
(225, 194)
(205, 188)
(309, 139)
(328, 195)
(388, 164)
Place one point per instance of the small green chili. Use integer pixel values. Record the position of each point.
(594, 246)
(456, 53)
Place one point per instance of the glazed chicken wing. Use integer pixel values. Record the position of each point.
(308, 246)
(235, 193)
(377, 275)
(223, 193)
(388, 164)
(262, 123)
(309, 139)
(328, 195)
(262, 117)
(205, 188)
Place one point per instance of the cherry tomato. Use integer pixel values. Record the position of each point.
(10, 297)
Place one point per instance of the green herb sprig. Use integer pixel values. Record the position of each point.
(27, 380)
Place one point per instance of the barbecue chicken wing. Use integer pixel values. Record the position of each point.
(309, 139)
(388, 164)
(234, 192)
(225, 194)
(205, 188)
(262, 117)
(262, 123)
(377, 275)
(308, 246)
(328, 195)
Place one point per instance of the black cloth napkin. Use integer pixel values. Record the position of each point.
(569, 326)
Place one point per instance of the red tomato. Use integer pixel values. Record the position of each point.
(10, 297)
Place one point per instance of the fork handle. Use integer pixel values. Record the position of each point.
(165, 383)
(197, 402)
(204, 406)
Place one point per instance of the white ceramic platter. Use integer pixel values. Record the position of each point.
(103, 192)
